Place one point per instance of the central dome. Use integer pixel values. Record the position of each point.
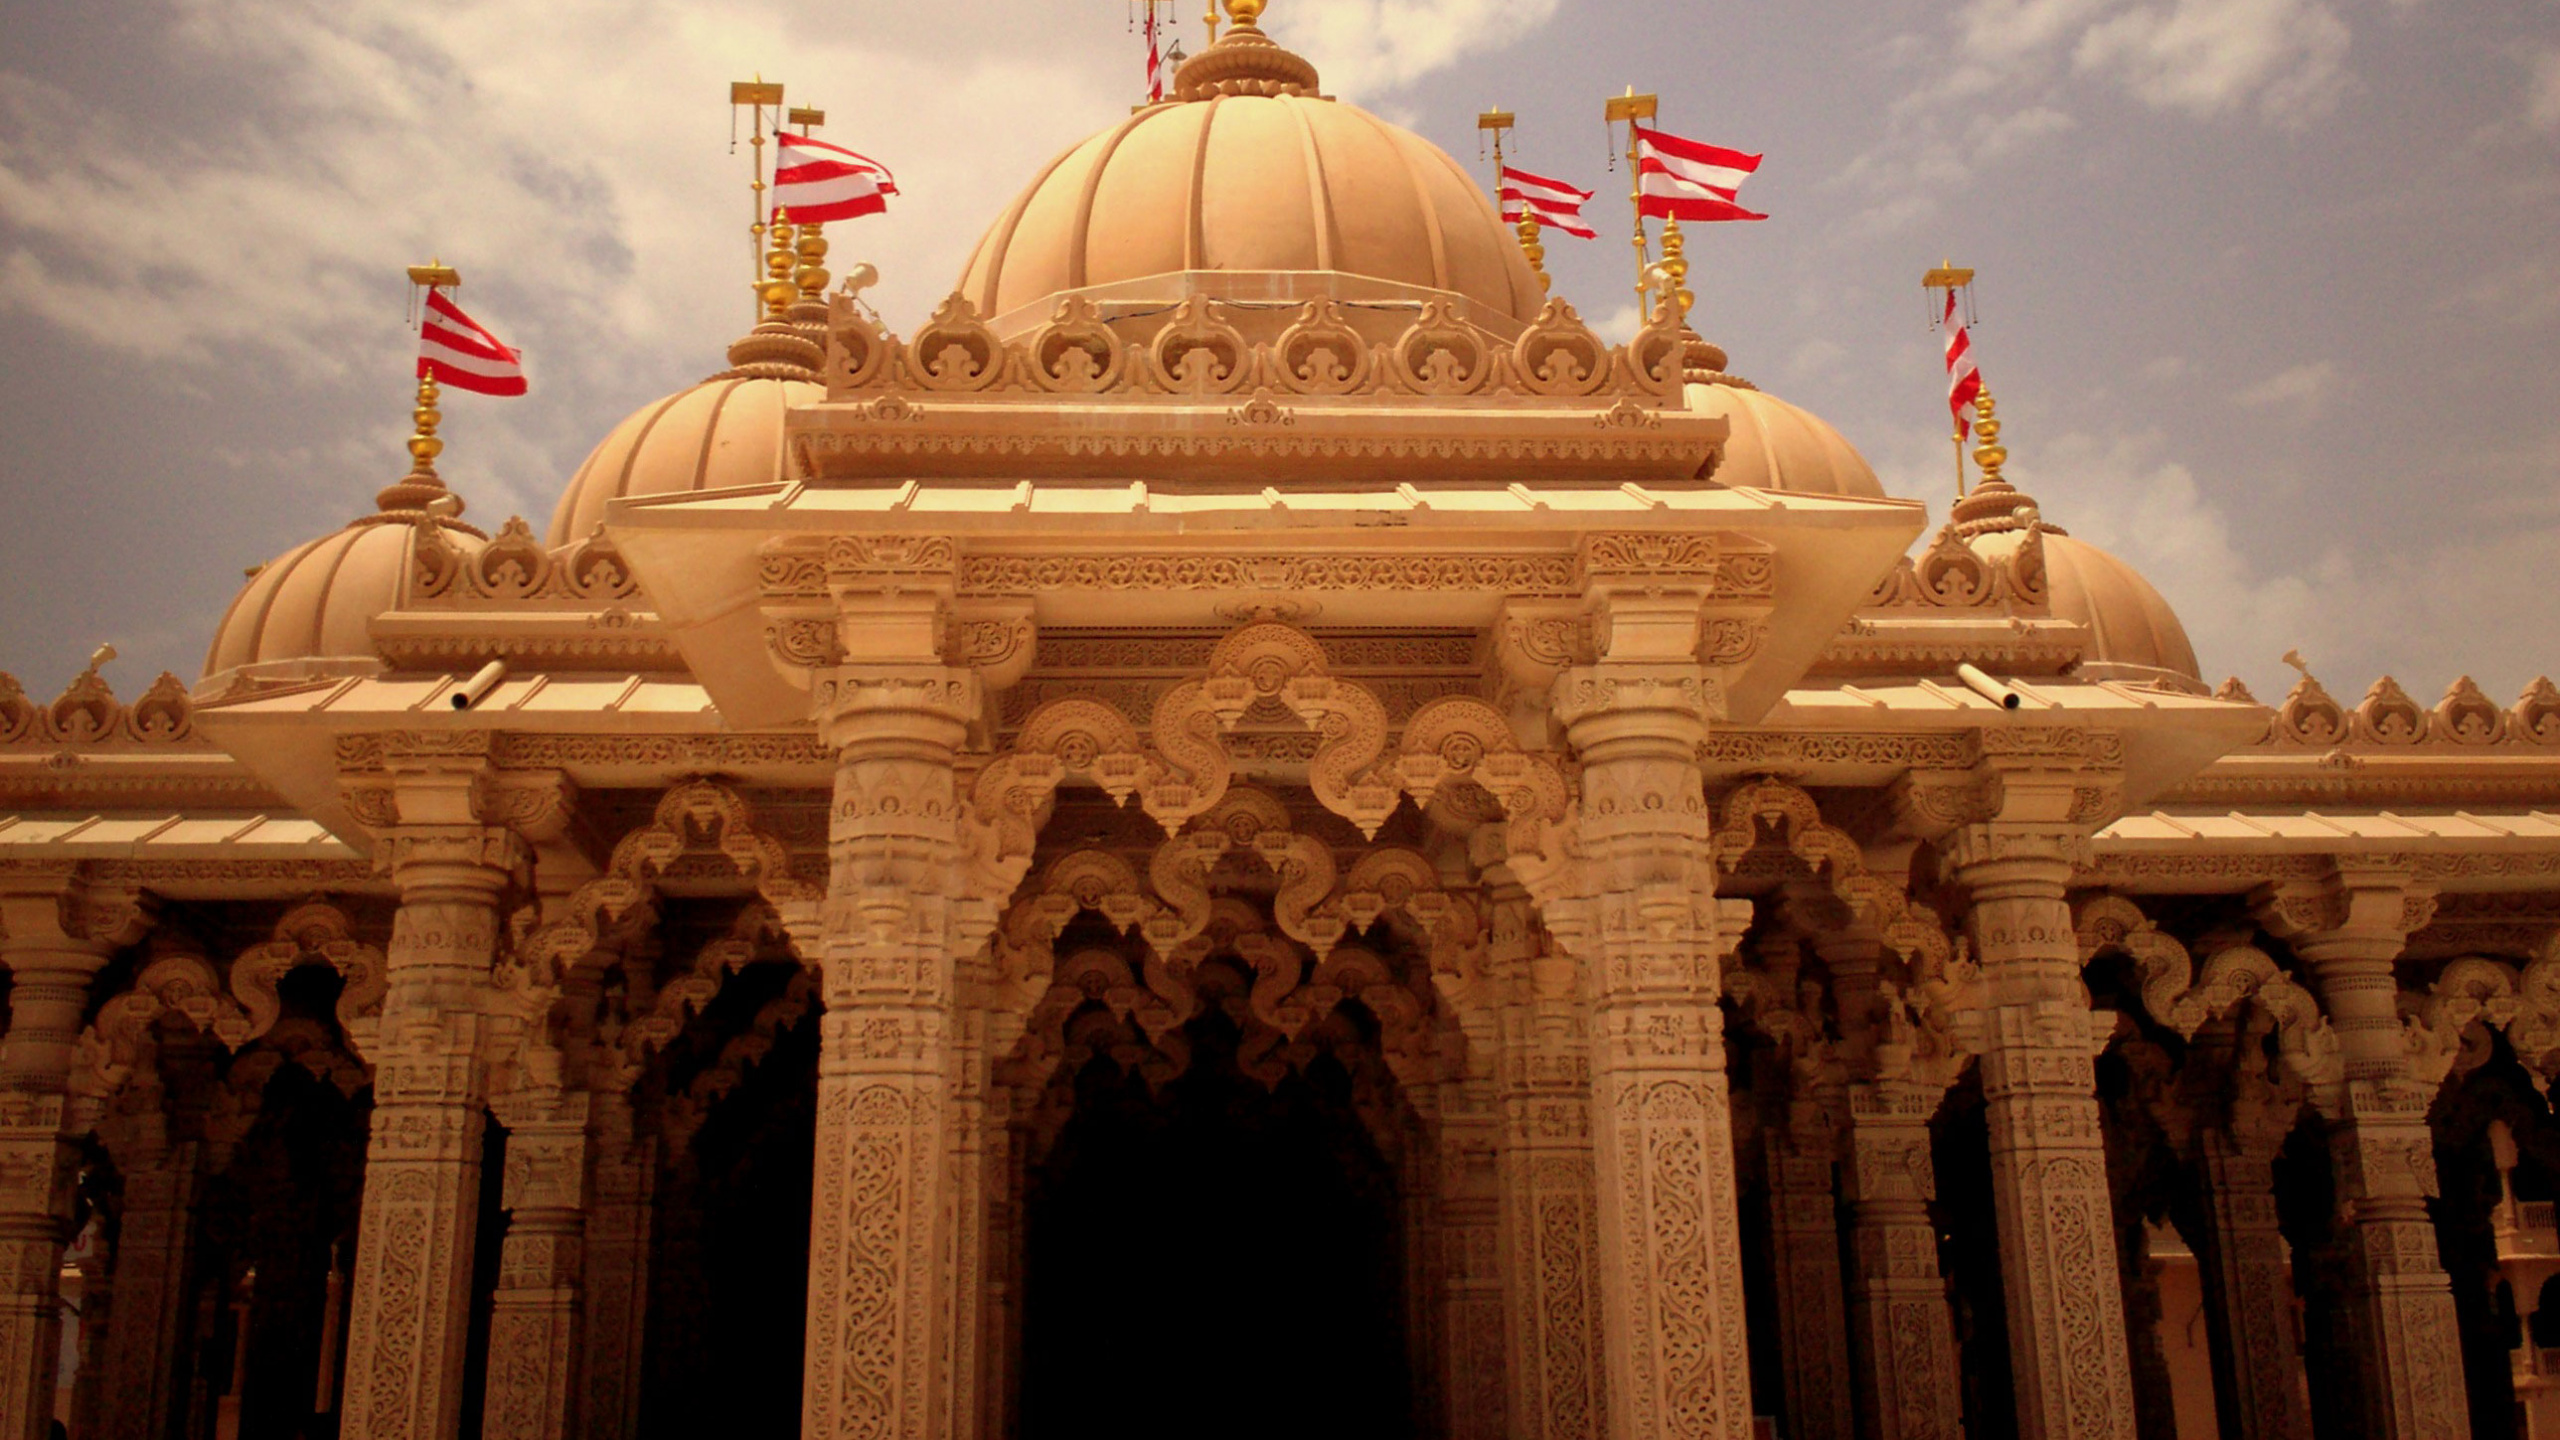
(1250, 170)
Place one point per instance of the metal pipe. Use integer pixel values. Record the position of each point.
(1988, 688)
(477, 688)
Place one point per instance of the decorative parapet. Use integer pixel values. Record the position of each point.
(1952, 575)
(87, 716)
(1200, 352)
(514, 567)
(2465, 721)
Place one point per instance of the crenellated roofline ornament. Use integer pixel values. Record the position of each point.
(1209, 387)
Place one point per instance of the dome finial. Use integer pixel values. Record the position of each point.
(1995, 504)
(422, 489)
(1242, 62)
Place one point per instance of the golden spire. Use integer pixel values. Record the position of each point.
(1675, 271)
(422, 489)
(780, 258)
(811, 274)
(1990, 454)
(1244, 13)
(1536, 252)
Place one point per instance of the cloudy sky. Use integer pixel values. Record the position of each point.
(2270, 295)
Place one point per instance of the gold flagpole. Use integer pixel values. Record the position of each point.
(756, 94)
(1632, 107)
(1950, 278)
(1496, 122)
(421, 486)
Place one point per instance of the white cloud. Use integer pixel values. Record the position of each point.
(2357, 613)
(1366, 45)
(2303, 387)
(2542, 94)
(2209, 57)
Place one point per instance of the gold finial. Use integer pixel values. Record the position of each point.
(1536, 252)
(1245, 13)
(422, 488)
(1675, 271)
(779, 290)
(1990, 455)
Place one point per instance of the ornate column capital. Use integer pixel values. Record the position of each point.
(2359, 908)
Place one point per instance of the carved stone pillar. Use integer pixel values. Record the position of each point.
(143, 1327)
(534, 1316)
(2241, 1255)
(1902, 1332)
(2350, 931)
(2048, 1158)
(1472, 1380)
(1804, 1252)
(1549, 1214)
(1641, 914)
(965, 1225)
(616, 1294)
(899, 909)
(56, 933)
(408, 1317)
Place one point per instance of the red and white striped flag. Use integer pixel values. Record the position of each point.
(1964, 378)
(1557, 205)
(814, 182)
(455, 350)
(1155, 59)
(1686, 179)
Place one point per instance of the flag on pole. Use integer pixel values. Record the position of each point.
(455, 350)
(1557, 205)
(814, 182)
(1964, 379)
(1155, 59)
(1685, 179)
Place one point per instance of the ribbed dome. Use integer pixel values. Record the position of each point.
(1777, 446)
(724, 432)
(308, 612)
(1251, 171)
(2133, 634)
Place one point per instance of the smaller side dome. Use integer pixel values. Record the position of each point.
(724, 432)
(2133, 634)
(1778, 446)
(309, 612)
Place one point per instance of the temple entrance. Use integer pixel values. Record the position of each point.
(1216, 1253)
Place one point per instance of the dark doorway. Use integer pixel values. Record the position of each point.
(1215, 1259)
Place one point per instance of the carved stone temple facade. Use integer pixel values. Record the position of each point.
(1252, 832)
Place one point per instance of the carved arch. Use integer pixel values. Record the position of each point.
(693, 817)
(118, 1042)
(312, 934)
(2182, 1001)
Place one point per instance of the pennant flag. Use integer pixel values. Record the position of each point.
(1686, 179)
(1155, 59)
(1557, 205)
(453, 349)
(1964, 379)
(814, 182)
